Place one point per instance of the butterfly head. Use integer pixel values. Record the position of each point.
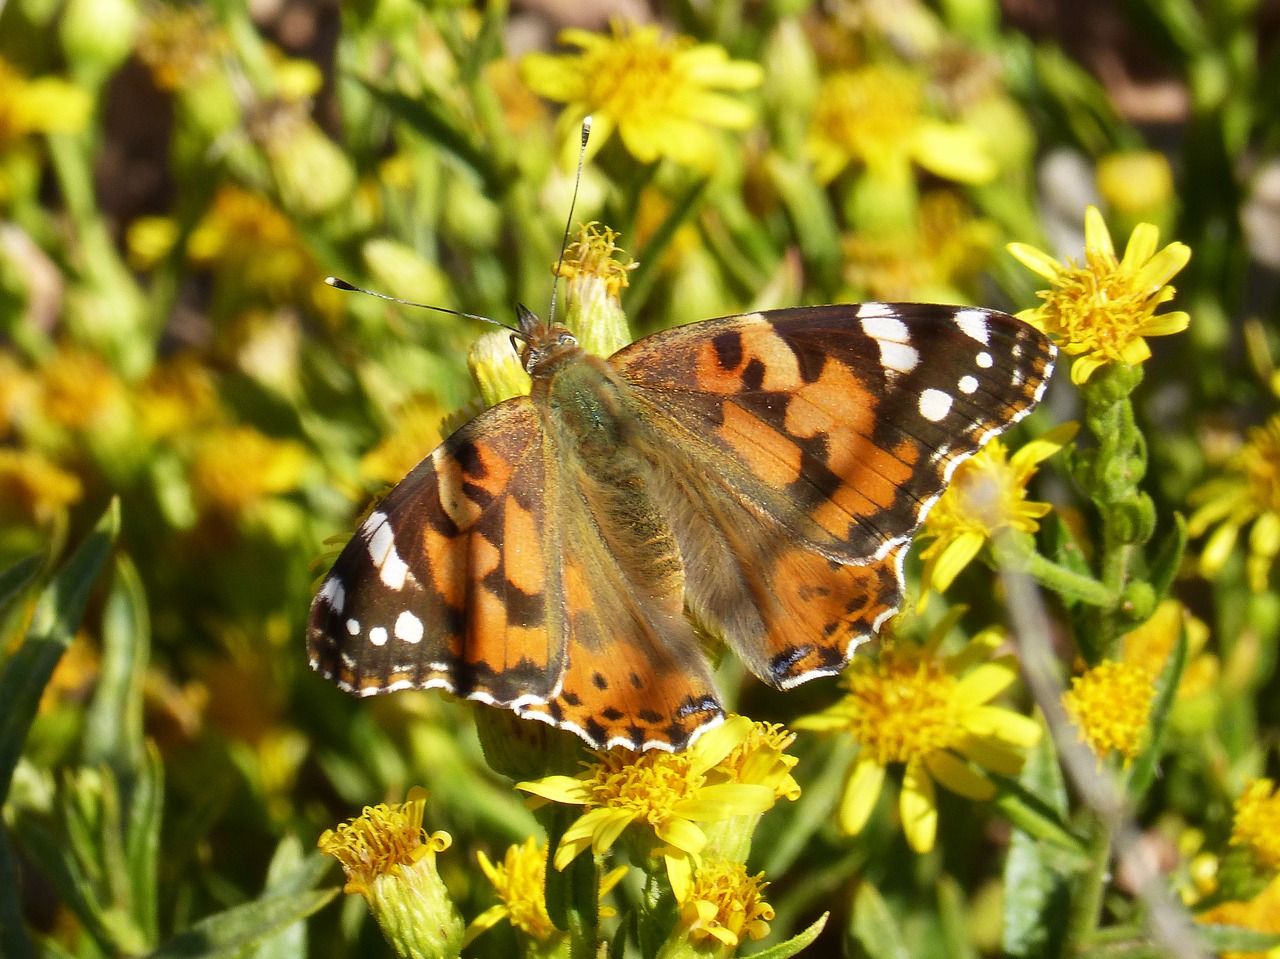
(542, 347)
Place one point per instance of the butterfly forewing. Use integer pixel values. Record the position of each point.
(443, 586)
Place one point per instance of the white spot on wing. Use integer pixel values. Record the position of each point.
(885, 327)
(333, 593)
(408, 627)
(353, 627)
(392, 570)
(968, 385)
(898, 357)
(974, 325)
(934, 405)
(984, 360)
(378, 636)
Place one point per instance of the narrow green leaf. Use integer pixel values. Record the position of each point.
(290, 872)
(1143, 771)
(1218, 938)
(240, 927)
(1036, 816)
(650, 257)
(792, 947)
(57, 614)
(874, 927)
(17, 578)
(113, 724)
(954, 917)
(1169, 557)
(63, 873)
(14, 941)
(1036, 891)
(142, 837)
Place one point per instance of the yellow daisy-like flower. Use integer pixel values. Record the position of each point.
(417, 432)
(390, 859)
(43, 105)
(236, 467)
(665, 795)
(1257, 823)
(661, 94)
(875, 116)
(1111, 705)
(725, 906)
(1101, 310)
(1149, 646)
(987, 497)
(521, 883)
(33, 489)
(1248, 493)
(932, 713)
(595, 272)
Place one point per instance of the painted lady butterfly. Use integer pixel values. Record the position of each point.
(761, 475)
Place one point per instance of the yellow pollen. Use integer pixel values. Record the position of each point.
(650, 785)
(1111, 703)
(904, 709)
(1097, 307)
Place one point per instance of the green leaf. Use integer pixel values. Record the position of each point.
(14, 941)
(954, 916)
(874, 926)
(1143, 771)
(240, 927)
(1036, 891)
(142, 842)
(650, 257)
(1168, 558)
(113, 723)
(291, 872)
(17, 578)
(1218, 938)
(785, 950)
(57, 614)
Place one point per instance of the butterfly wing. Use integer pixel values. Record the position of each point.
(444, 585)
(797, 451)
(496, 571)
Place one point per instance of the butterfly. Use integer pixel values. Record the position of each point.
(760, 476)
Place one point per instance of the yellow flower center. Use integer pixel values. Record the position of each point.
(1260, 460)
(595, 253)
(726, 903)
(1257, 822)
(381, 840)
(650, 785)
(870, 112)
(638, 73)
(902, 705)
(1096, 308)
(1111, 704)
(987, 494)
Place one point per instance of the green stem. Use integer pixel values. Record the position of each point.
(1069, 584)
(1086, 904)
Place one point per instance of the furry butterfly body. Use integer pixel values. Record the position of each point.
(761, 475)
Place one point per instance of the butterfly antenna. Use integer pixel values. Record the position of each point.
(340, 284)
(568, 225)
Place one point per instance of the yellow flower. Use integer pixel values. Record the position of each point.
(181, 45)
(665, 795)
(390, 859)
(724, 906)
(417, 433)
(80, 391)
(177, 397)
(1148, 646)
(1111, 705)
(1260, 914)
(909, 705)
(44, 105)
(1249, 493)
(987, 497)
(1135, 183)
(1257, 823)
(595, 273)
(661, 94)
(521, 883)
(33, 489)
(236, 467)
(937, 262)
(875, 116)
(1101, 311)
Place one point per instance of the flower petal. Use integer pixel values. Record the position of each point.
(955, 557)
(985, 683)
(1037, 261)
(918, 806)
(564, 789)
(958, 776)
(1161, 268)
(681, 834)
(1097, 238)
(1142, 244)
(860, 794)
